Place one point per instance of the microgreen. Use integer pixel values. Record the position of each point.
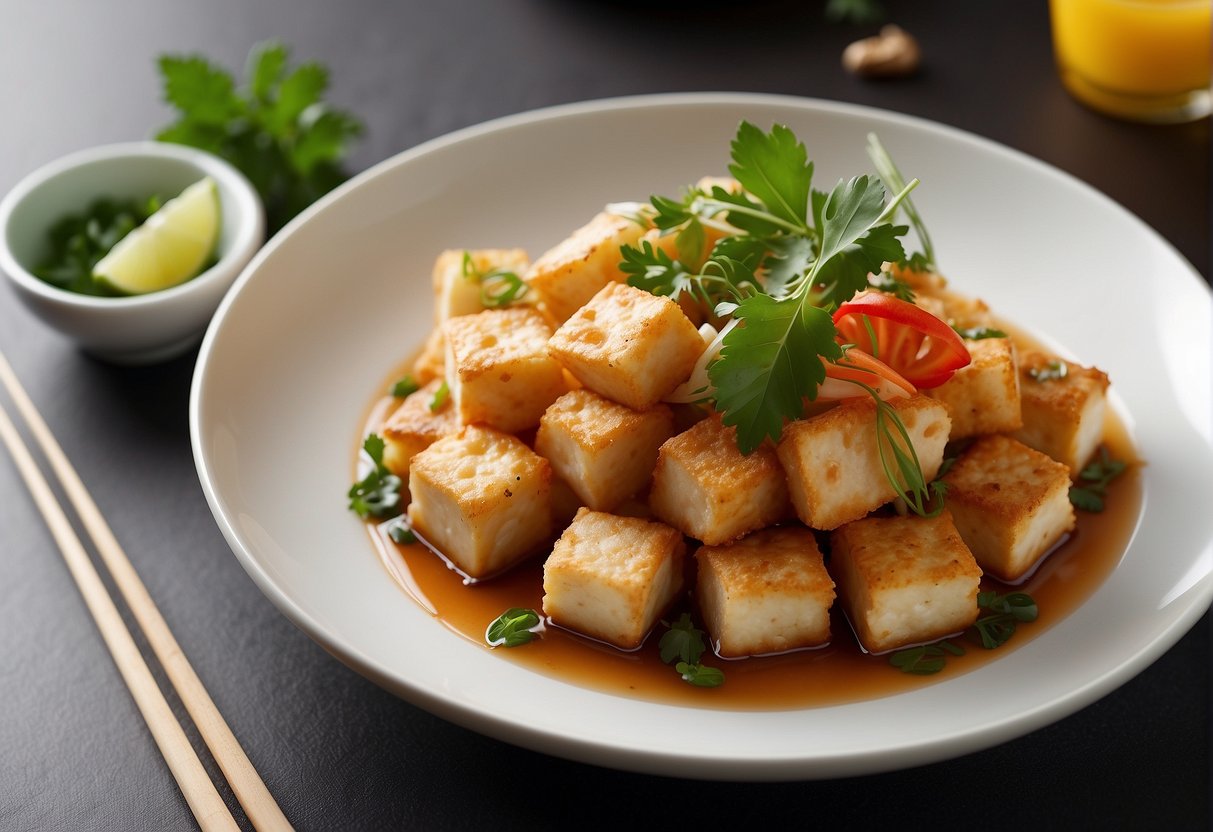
(513, 628)
(276, 128)
(1095, 479)
(405, 386)
(684, 644)
(378, 493)
(441, 396)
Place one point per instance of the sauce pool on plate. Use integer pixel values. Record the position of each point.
(838, 673)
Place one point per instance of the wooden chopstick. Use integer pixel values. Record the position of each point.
(204, 801)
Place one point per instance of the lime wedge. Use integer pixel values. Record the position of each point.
(169, 248)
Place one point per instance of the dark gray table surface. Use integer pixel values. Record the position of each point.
(338, 752)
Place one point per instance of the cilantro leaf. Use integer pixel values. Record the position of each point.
(791, 258)
(277, 130)
(769, 364)
(701, 676)
(682, 641)
(1096, 478)
(378, 493)
(847, 271)
(775, 168)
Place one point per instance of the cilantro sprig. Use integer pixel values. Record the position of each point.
(378, 493)
(683, 645)
(276, 128)
(1094, 479)
(513, 628)
(79, 241)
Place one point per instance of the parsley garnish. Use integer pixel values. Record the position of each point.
(378, 493)
(1096, 477)
(405, 386)
(683, 643)
(276, 128)
(513, 628)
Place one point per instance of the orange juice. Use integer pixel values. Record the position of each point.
(1147, 59)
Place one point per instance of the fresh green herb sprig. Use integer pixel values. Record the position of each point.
(683, 645)
(378, 493)
(919, 261)
(513, 628)
(276, 128)
(79, 241)
(1095, 478)
(399, 531)
(1004, 613)
(903, 470)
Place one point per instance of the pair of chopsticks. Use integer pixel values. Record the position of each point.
(204, 801)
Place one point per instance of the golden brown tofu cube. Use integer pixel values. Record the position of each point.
(1011, 504)
(603, 450)
(833, 459)
(767, 593)
(708, 489)
(1063, 409)
(983, 397)
(414, 426)
(431, 363)
(457, 283)
(628, 345)
(610, 578)
(482, 498)
(904, 580)
(499, 370)
(567, 276)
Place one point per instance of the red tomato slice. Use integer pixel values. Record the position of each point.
(916, 344)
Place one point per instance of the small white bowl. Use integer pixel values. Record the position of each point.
(142, 329)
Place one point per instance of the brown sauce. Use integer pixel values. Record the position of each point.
(838, 673)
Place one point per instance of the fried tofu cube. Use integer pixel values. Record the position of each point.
(1063, 409)
(568, 275)
(610, 578)
(457, 273)
(604, 451)
(431, 363)
(1011, 504)
(482, 498)
(904, 580)
(708, 489)
(833, 459)
(414, 426)
(499, 370)
(628, 345)
(983, 397)
(767, 593)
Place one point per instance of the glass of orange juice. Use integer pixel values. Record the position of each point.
(1146, 60)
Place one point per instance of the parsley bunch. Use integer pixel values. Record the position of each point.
(276, 128)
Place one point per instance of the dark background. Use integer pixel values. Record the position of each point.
(337, 752)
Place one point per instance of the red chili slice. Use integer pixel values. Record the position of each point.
(919, 346)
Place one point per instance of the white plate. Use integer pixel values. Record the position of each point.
(331, 304)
